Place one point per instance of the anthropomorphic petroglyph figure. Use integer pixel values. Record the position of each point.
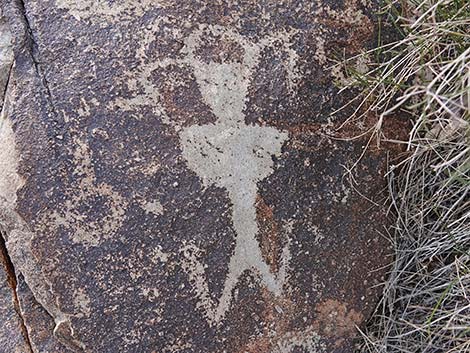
(229, 153)
(233, 155)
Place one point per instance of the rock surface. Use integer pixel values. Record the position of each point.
(168, 182)
(13, 336)
(6, 56)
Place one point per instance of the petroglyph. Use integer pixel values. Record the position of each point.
(104, 10)
(229, 153)
(89, 232)
(234, 156)
(175, 180)
(213, 78)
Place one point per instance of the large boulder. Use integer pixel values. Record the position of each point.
(170, 179)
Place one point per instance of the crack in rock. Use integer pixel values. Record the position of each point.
(11, 278)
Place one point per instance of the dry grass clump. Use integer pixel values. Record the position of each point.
(426, 75)
(426, 302)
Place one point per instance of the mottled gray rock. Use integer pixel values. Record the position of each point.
(6, 56)
(168, 183)
(13, 336)
(38, 322)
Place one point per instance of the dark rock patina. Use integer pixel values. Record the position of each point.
(171, 183)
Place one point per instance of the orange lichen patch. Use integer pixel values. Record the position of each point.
(270, 242)
(334, 319)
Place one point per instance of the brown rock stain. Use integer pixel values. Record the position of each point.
(295, 130)
(368, 123)
(299, 134)
(175, 85)
(353, 22)
(278, 314)
(335, 320)
(220, 49)
(271, 244)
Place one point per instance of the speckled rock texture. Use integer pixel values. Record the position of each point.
(170, 182)
(13, 336)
